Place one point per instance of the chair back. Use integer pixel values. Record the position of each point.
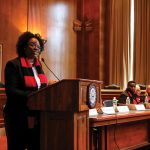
(108, 103)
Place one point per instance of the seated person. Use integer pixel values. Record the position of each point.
(138, 89)
(147, 93)
(131, 93)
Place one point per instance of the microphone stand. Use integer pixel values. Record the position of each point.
(42, 59)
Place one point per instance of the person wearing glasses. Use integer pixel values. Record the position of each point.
(23, 75)
(131, 93)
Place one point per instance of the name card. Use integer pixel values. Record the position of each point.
(93, 112)
(122, 109)
(140, 107)
(108, 110)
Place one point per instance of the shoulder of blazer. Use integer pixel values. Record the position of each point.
(15, 61)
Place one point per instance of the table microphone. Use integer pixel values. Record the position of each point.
(42, 59)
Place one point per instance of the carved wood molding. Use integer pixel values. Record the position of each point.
(79, 26)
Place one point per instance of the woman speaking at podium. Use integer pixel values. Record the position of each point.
(23, 75)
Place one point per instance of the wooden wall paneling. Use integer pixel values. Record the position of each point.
(109, 94)
(102, 47)
(61, 38)
(37, 15)
(13, 16)
(92, 36)
(82, 56)
(37, 21)
(88, 39)
(13, 22)
(107, 39)
(54, 20)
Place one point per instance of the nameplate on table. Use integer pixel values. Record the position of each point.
(139, 107)
(108, 110)
(93, 112)
(122, 109)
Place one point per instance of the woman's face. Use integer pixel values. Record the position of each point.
(33, 49)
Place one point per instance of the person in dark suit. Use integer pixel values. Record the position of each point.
(131, 93)
(23, 75)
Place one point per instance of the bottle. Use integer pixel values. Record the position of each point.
(146, 99)
(114, 102)
(127, 101)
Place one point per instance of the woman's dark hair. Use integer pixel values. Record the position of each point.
(23, 40)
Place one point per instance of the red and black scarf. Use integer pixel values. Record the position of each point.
(135, 99)
(148, 97)
(28, 74)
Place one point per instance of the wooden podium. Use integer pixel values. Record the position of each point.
(64, 116)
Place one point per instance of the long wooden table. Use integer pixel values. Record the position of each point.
(108, 132)
(126, 131)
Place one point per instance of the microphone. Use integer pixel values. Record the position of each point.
(42, 59)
